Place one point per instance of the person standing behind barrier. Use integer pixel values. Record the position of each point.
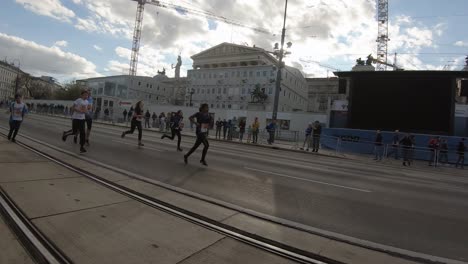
(407, 144)
(136, 122)
(241, 130)
(147, 119)
(461, 148)
(154, 117)
(229, 129)
(316, 132)
(225, 127)
(378, 149)
(308, 135)
(255, 130)
(176, 127)
(17, 111)
(203, 121)
(249, 134)
(125, 115)
(271, 128)
(219, 124)
(433, 148)
(80, 108)
(162, 122)
(443, 152)
(395, 143)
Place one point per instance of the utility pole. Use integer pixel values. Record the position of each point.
(280, 66)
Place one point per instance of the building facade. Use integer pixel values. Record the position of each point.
(122, 91)
(224, 76)
(322, 92)
(8, 75)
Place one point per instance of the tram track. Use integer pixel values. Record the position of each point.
(44, 250)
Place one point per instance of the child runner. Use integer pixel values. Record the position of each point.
(136, 122)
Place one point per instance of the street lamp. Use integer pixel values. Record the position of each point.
(192, 91)
(280, 55)
(17, 75)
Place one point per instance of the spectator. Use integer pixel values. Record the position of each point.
(125, 115)
(395, 142)
(106, 114)
(407, 144)
(162, 122)
(147, 119)
(229, 129)
(130, 114)
(378, 149)
(443, 152)
(219, 125)
(225, 127)
(271, 128)
(241, 130)
(316, 132)
(249, 134)
(255, 130)
(308, 134)
(461, 148)
(154, 117)
(433, 148)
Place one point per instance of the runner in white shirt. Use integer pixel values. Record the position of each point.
(80, 108)
(17, 111)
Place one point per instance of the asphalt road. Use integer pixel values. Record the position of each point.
(418, 210)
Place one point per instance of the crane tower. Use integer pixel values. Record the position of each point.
(137, 37)
(382, 37)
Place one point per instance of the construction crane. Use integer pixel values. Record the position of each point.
(382, 35)
(380, 62)
(180, 9)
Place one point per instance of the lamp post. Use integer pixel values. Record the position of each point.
(192, 91)
(17, 75)
(280, 65)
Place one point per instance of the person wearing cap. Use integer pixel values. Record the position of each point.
(17, 111)
(176, 127)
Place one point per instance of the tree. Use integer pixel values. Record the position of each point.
(71, 91)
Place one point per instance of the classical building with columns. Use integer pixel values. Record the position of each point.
(225, 75)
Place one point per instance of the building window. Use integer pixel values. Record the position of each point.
(213, 91)
(224, 106)
(224, 90)
(243, 90)
(238, 73)
(284, 93)
(151, 86)
(139, 83)
(270, 90)
(204, 75)
(211, 106)
(147, 85)
(226, 75)
(245, 73)
(250, 73)
(233, 73)
(229, 106)
(202, 91)
(217, 105)
(198, 90)
(208, 91)
(258, 74)
(214, 75)
(264, 73)
(219, 90)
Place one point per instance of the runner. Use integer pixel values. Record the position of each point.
(203, 123)
(80, 108)
(176, 127)
(136, 122)
(88, 118)
(17, 111)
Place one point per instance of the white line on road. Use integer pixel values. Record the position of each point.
(309, 180)
(130, 144)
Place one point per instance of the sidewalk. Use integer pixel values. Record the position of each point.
(93, 224)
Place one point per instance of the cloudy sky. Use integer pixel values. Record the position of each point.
(71, 39)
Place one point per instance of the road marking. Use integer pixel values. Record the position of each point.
(309, 180)
(130, 144)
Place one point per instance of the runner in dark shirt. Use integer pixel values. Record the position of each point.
(176, 127)
(203, 121)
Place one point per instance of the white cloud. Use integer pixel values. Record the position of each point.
(77, 2)
(96, 47)
(61, 43)
(60, 64)
(50, 8)
(461, 43)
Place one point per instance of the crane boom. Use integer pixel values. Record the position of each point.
(137, 37)
(205, 14)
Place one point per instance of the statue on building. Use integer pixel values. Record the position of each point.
(163, 72)
(369, 60)
(177, 67)
(258, 95)
(359, 62)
